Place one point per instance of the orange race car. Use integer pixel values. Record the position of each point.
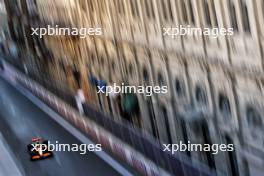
(38, 149)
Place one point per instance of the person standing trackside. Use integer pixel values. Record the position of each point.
(80, 100)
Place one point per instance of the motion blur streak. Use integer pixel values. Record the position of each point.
(20, 120)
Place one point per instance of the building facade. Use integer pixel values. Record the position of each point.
(215, 93)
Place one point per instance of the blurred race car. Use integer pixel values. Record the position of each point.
(38, 149)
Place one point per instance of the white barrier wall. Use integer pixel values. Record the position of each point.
(99, 135)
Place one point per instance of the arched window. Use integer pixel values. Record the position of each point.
(253, 118)
(145, 75)
(92, 58)
(113, 66)
(207, 13)
(91, 6)
(152, 119)
(2, 65)
(161, 81)
(224, 105)
(184, 12)
(147, 9)
(200, 95)
(245, 16)
(180, 88)
(134, 8)
(102, 62)
(214, 17)
(263, 10)
(164, 9)
(232, 157)
(233, 16)
(170, 10)
(77, 77)
(246, 168)
(167, 123)
(130, 69)
(152, 10)
(207, 140)
(167, 10)
(191, 12)
(121, 8)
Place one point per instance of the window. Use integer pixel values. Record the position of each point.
(62, 66)
(164, 9)
(145, 76)
(149, 9)
(253, 118)
(130, 69)
(224, 106)
(102, 62)
(134, 8)
(120, 7)
(167, 124)
(153, 119)
(184, 12)
(180, 88)
(92, 58)
(77, 76)
(191, 12)
(207, 13)
(233, 16)
(263, 9)
(232, 158)
(200, 96)
(2, 65)
(215, 21)
(167, 11)
(91, 5)
(207, 140)
(170, 10)
(152, 9)
(109, 105)
(245, 16)
(113, 66)
(104, 7)
(246, 170)
(137, 8)
(161, 81)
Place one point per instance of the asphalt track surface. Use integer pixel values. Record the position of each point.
(20, 120)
